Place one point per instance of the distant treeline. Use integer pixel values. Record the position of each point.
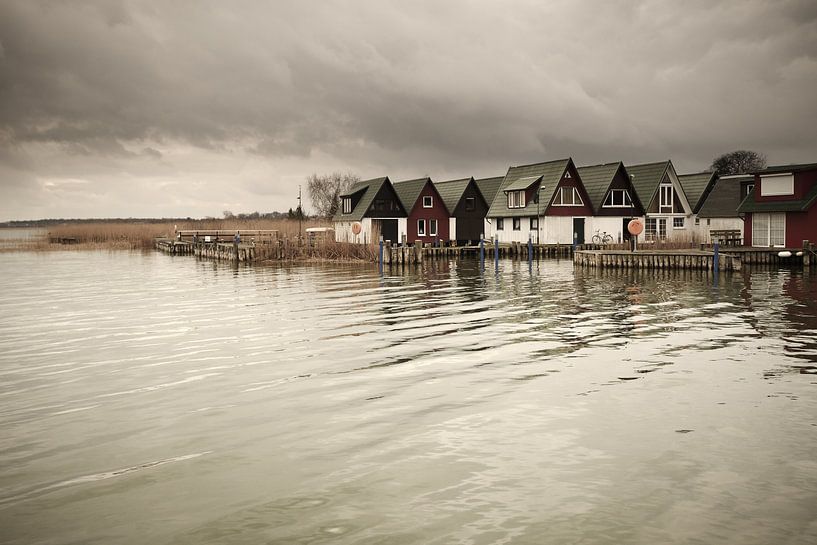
(79, 221)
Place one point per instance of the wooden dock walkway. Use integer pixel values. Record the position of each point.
(657, 259)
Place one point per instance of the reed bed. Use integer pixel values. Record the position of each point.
(141, 235)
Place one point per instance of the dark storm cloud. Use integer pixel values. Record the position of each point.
(178, 90)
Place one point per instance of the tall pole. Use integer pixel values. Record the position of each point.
(300, 214)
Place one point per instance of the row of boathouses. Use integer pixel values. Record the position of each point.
(557, 202)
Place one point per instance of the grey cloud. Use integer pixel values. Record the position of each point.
(394, 87)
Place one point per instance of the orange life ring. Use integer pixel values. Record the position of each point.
(356, 228)
(635, 227)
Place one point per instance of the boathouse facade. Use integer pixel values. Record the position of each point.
(543, 202)
(781, 209)
(427, 215)
(468, 209)
(613, 199)
(716, 214)
(369, 210)
(667, 210)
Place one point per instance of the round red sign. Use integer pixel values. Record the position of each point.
(635, 227)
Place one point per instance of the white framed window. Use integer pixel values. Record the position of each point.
(516, 199)
(567, 174)
(421, 228)
(749, 188)
(517, 224)
(567, 196)
(534, 223)
(432, 228)
(777, 184)
(655, 229)
(665, 195)
(500, 224)
(769, 230)
(347, 205)
(470, 203)
(618, 198)
(428, 201)
(697, 220)
(678, 223)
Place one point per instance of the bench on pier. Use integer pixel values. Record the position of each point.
(726, 237)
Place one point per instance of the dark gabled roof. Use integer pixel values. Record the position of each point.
(646, 178)
(521, 184)
(597, 179)
(489, 187)
(777, 169)
(695, 187)
(408, 192)
(370, 189)
(723, 199)
(451, 191)
(795, 205)
(550, 173)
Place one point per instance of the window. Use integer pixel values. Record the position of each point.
(517, 224)
(618, 198)
(649, 229)
(500, 224)
(665, 203)
(749, 188)
(470, 203)
(567, 196)
(432, 228)
(421, 228)
(428, 201)
(383, 205)
(781, 184)
(534, 223)
(677, 223)
(655, 229)
(567, 174)
(697, 220)
(347, 205)
(769, 229)
(516, 199)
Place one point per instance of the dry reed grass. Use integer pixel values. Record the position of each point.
(141, 235)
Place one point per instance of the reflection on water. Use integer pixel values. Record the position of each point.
(155, 399)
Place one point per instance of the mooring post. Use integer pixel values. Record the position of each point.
(482, 251)
(381, 253)
(496, 252)
(530, 251)
(715, 257)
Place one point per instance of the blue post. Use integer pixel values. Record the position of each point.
(496, 252)
(530, 251)
(716, 258)
(482, 252)
(381, 254)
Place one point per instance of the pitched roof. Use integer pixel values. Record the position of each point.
(597, 179)
(794, 205)
(724, 198)
(695, 187)
(550, 173)
(451, 191)
(646, 178)
(408, 191)
(370, 189)
(489, 187)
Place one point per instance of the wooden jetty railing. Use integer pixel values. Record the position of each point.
(657, 259)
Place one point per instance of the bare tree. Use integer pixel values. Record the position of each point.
(738, 162)
(325, 191)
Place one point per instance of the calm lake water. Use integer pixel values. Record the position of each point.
(152, 399)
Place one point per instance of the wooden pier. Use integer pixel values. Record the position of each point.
(657, 259)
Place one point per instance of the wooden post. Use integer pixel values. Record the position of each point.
(418, 251)
(806, 254)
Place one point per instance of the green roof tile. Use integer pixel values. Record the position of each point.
(408, 191)
(451, 191)
(646, 178)
(550, 173)
(695, 187)
(596, 180)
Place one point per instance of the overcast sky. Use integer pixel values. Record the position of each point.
(172, 108)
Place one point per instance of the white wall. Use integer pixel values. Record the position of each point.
(706, 225)
(452, 228)
(343, 231)
(557, 229)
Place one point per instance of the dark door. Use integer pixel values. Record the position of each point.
(625, 232)
(388, 230)
(578, 230)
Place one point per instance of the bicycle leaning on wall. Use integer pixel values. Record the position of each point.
(602, 237)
